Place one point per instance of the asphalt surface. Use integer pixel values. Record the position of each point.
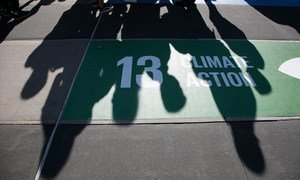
(54, 40)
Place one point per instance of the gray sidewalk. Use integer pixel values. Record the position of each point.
(52, 43)
(170, 151)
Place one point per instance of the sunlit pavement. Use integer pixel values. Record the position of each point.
(207, 91)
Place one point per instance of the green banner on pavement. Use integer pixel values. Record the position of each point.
(171, 79)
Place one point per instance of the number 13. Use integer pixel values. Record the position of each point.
(127, 70)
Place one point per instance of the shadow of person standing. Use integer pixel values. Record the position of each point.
(100, 74)
(150, 27)
(58, 55)
(226, 79)
(240, 102)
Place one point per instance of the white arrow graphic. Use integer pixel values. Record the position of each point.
(291, 67)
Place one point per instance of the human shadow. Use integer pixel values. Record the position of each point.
(61, 58)
(150, 26)
(101, 76)
(234, 100)
(230, 83)
(286, 15)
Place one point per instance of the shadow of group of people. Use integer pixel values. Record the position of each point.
(140, 21)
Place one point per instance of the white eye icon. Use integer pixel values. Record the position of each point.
(291, 67)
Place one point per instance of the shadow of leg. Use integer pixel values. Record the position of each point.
(247, 145)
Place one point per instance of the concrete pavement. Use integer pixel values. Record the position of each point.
(40, 57)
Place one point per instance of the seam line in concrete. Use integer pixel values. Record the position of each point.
(199, 39)
(200, 120)
(44, 156)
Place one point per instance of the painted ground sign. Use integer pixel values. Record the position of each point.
(186, 79)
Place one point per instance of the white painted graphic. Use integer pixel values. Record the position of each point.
(196, 71)
(291, 67)
(141, 80)
(178, 64)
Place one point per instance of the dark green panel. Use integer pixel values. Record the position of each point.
(157, 79)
